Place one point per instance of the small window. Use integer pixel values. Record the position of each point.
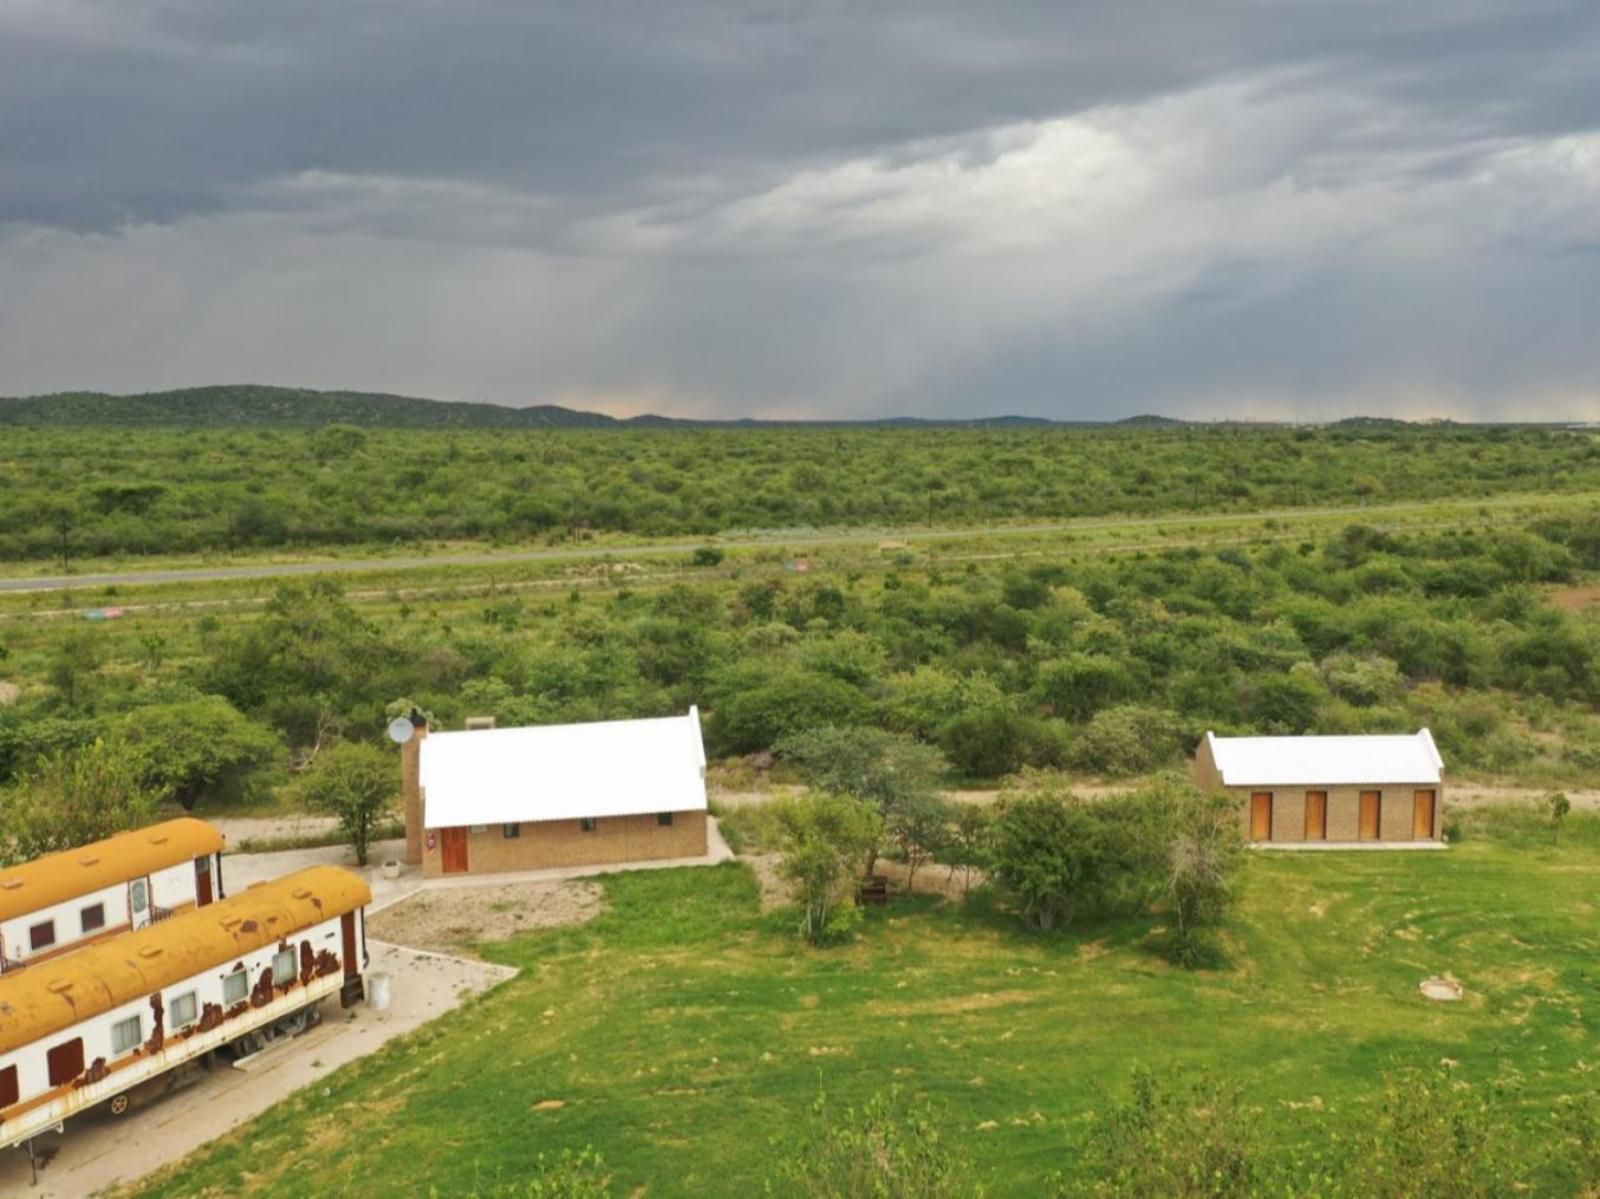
(181, 1010)
(94, 917)
(588, 824)
(664, 819)
(42, 936)
(65, 1062)
(126, 1034)
(8, 1087)
(283, 968)
(511, 831)
(235, 987)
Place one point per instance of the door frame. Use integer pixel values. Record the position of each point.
(1377, 815)
(453, 836)
(1319, 801)
(1433, 813)
(1256, 807)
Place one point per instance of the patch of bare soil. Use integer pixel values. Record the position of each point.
(1475, 795)
(1574, 599)
(8, 693)
(774, 889)
(932, 879)
(457, 919)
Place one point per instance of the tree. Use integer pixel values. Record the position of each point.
(203, 748)
(760, 708)
(968, 843)
(1556, 806)
(918, 824)
(1032, 856)
(1202, 860)
(887, 771)
(822, 837)
(77, 658)
(355, 782)
(74, 797)
(997, 740)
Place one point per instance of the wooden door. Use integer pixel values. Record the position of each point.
(1316, 815)
(202, 882)
(1261, 816)
(1422, 816)
(1371, 815)
(453, 850)
(347, 926)
(139, 902)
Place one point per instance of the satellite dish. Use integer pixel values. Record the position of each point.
(401, 730)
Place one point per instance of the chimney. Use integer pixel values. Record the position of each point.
(411, 787)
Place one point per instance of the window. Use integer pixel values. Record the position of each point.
(235, 987)
(181, 1010)
(664, 819)
(588, 824)
(511, 831)
(8, 1087)
(65, 1062)
(94, 917)
(139, 895)
(283, 968)
(126, 1034)
(42, 936)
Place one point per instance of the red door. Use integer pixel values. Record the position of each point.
(202, 882)
(453, 850)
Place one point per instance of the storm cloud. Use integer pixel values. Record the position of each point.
(1274, 208)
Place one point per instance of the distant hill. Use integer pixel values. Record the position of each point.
(252, 405)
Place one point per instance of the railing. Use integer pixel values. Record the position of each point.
(158, 913)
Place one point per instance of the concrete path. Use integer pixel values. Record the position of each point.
(99, 1150)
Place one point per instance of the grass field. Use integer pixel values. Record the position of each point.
(684, 1030)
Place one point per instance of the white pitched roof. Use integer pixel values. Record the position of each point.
(563, 771)
(1326, 761)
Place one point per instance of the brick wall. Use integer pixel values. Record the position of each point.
(551, 843)
(1344, 811)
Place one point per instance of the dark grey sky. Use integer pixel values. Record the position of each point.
(1275, 207)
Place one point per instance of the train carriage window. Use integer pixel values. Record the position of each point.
(126, 1034)
(8, 1087)
(94, 917)
(43, 935)
(283, 967)
(181, 1010)
(235, 987)
(65, 1062)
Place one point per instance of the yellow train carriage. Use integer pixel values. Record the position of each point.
(112, 1021)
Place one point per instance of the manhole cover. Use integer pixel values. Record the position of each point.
(1440, 988)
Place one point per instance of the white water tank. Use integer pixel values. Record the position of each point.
(378, 991)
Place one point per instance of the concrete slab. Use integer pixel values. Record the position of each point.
(240, 870)
(99, 1150)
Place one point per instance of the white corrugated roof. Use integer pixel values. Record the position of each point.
(563, 771)
(1327, 761)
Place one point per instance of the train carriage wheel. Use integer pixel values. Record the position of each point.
(120, 1104)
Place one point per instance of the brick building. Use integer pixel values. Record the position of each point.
(1333, 790)
(488, 801)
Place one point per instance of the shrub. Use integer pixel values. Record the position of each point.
(1131, 739)
(999, 740)
(885, 1149)
(823, 838)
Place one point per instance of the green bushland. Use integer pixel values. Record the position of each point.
(1109, 664)
(686, 1035)
(91, 493)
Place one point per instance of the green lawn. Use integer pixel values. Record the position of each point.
(683, 1030)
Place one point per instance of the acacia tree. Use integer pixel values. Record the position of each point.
(882, 769)
(968, 843)
(198, 748)
(821, 837)
(918, 824)
(73, 797)
(358, 784)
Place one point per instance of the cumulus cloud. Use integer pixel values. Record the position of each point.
(1281, 209)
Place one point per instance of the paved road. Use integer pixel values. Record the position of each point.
(273, 570)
